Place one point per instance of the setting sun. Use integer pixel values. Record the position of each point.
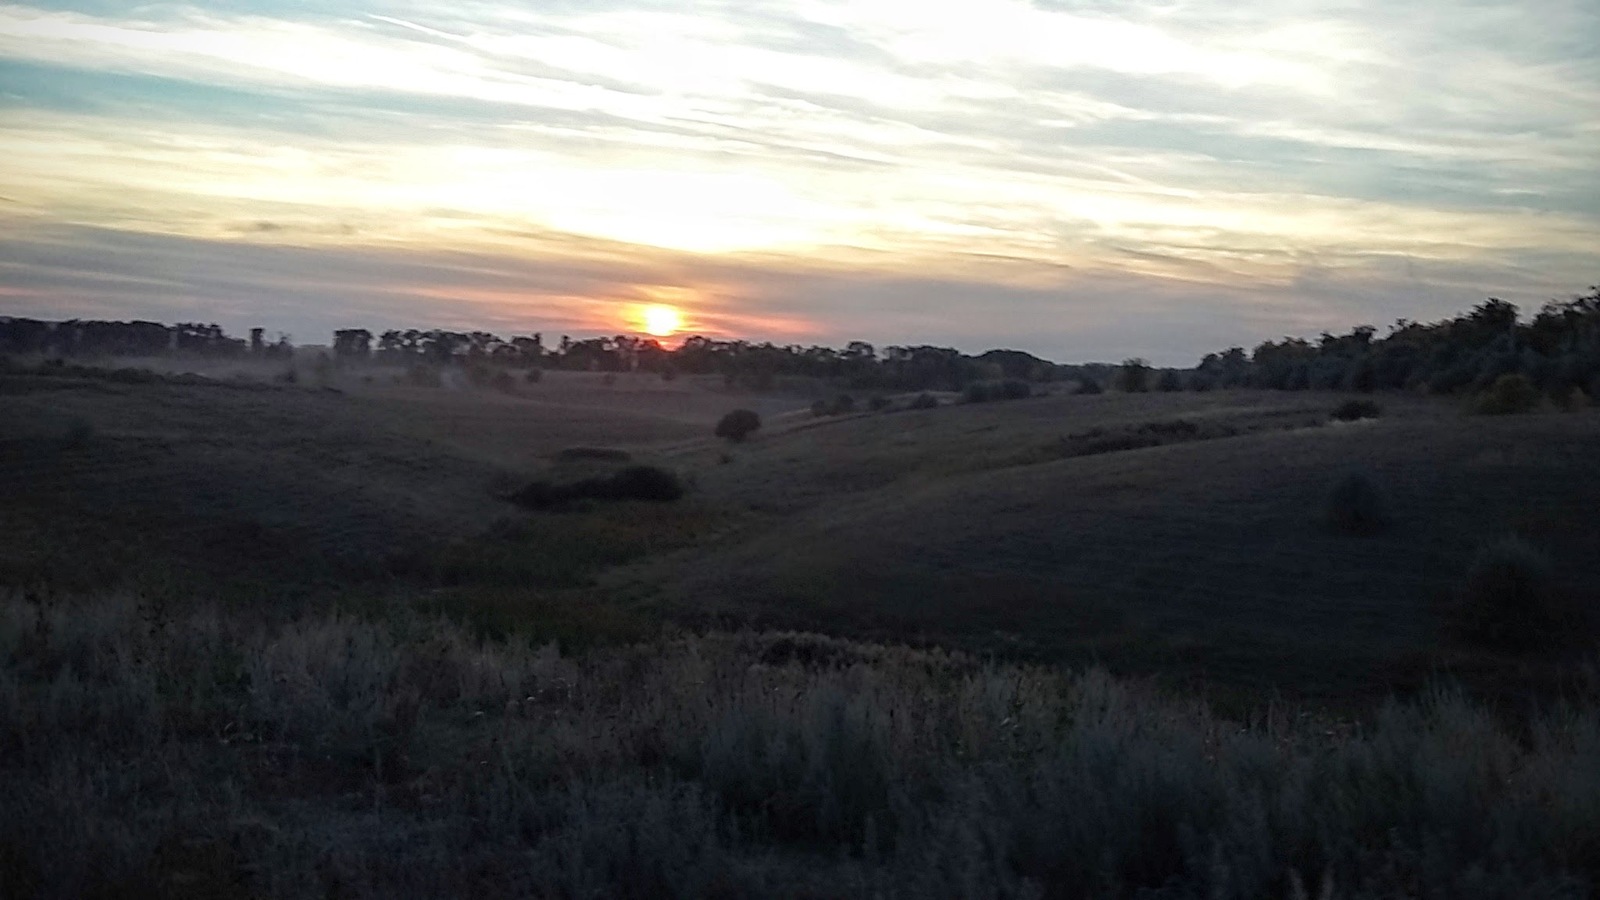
(662, 321)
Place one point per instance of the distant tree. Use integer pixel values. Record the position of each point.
(1134, 376)
(738, 425)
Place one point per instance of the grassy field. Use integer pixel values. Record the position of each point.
(265, 640)
(1013, 526)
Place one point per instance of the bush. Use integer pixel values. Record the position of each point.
(1088, 386)
(977, 392)
(879, 403)
(1169, 382)
(924, 401)
(1509, 395)
(633, 483)
(1356, 506)
(1134, 376)
(1355, 410)
(820, 408)
(1508, 598)
(1014, 389)
(738, 425)
(503, 382)
(533, 376)
(596, 454)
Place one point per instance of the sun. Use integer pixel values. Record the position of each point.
(661, 320)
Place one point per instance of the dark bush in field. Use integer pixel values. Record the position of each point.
(633, 483)
(820, 408)
(1089, 386)
(503, 382)
(1509, 395)
(738, 425)
(879, 403)
(594, 454)
(1353, 410)
(533, 376)
(1169, 382)
(1508, 599)
(1356, 506)
(924, 401)
(1008, 389)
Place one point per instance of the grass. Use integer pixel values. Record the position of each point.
(1356, 506)
(1509, 597)
(147, 752)
(501, 712)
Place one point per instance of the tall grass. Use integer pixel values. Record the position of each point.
(144, 751)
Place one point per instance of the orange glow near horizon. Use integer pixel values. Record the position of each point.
(660, 320)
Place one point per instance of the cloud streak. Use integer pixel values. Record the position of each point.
(1004, 156)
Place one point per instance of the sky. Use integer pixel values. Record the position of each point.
(1085, 181)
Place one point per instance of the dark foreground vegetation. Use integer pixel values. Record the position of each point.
(146, 751)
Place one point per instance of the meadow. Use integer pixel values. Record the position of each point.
(269, 639)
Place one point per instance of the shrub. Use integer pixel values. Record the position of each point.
(633, 483)
(642, 483)
(1510, 394)
(924, 401)
(1508, 597)
(844, 403)
(1169, 382)
(1014, 389)
(1089, 386)
(1354, 410)
(879, 403)
(1575, 400)
(503, 382)
(977, 392)
(533, 376)
(738, 425)
(1134, 376)
(597, 454)
(287, 376)
(820, 408)
(1356, 506)
(609, 379)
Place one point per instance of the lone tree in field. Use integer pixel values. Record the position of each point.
(738, 425)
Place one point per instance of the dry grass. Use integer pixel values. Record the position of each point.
(146, 751)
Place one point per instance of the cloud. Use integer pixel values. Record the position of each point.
(814, 168)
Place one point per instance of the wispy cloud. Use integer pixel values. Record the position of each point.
(1036, 161)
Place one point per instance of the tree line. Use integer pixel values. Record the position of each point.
(1558, 350)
